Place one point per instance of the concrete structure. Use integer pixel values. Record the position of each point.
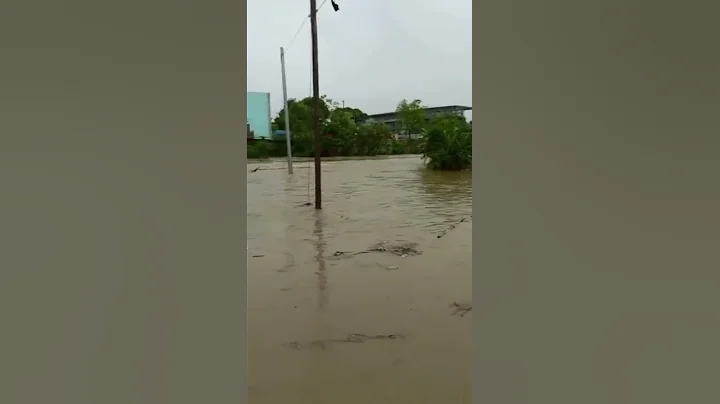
(392, 119)
(259, 117)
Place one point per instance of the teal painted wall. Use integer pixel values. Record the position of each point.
(258, 114)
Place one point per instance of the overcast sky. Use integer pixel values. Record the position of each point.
(372, 53)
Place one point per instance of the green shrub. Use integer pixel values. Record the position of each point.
(398, 147)
(259, 149)
(447, 144)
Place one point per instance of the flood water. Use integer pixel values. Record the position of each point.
(308, 291)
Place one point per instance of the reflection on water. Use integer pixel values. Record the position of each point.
(304, 300)
(320, 257)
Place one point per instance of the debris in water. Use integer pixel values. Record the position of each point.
(293, 345)
(400, 249)
(285, 289)
(350, 338)
(365, 337)
(461, 309)
(318, 344)
(258, 256)
(452, 226)
(255, 169)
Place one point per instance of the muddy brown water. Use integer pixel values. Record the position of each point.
(307, 305)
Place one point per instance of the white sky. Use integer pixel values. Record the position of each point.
(372, 53)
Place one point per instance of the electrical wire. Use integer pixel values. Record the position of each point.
(321, 4)
(302, 25)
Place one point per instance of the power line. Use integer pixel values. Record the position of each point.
(321, 5)
(305, 20)
(302, 25)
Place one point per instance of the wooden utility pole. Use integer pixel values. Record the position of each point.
(316, 103)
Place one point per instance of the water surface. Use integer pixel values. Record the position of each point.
(307, 291)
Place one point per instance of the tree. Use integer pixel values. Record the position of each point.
(340, 133)
(301, 114)
(374, 139)
(301, 123)
(412, 116)
(448, 144)
(356, 114)
(342, 130)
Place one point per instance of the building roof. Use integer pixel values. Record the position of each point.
(446, 108)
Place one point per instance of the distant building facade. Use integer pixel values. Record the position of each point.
(259, 116)
(392, 119)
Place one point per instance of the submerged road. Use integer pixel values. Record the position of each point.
(358, 303)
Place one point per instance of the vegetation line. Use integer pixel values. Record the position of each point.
(443, 141)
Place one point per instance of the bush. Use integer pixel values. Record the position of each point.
(448, 144)
(398, 147)
(259, 149)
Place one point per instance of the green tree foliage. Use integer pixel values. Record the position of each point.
(341, 132)
(260, 150)
(447, 144)
(301, 123)
(301, 114)
(345, 133)
(342, 128)
(412, 116)
(374, 139)
(356, 114)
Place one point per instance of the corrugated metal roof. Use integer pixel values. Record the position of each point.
(448, 108)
